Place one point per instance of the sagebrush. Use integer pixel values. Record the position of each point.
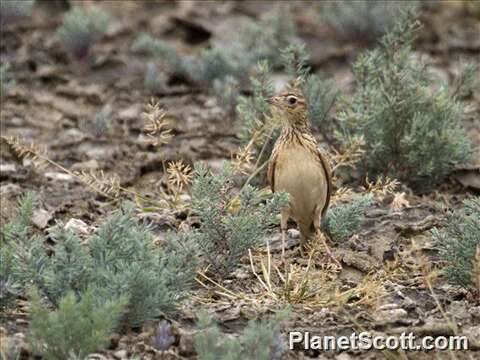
(411, 132)
(76, 328)
(81, 29)
(231, 223)
(458, 242)
(344, 220)
(259, 340)
(362, 20)
(120, 260)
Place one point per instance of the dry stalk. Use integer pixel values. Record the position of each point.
(242, 159)
(99, 182)
(381, 188)
(180, 175)
(156, 126)
(223, 290)
(351, 155)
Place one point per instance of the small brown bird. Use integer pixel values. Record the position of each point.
(299, 168)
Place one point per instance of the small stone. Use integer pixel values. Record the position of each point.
(41, 218)
(7, 169)
(293, 233)
(86, 165)
(79, 226)
(10, 189)
(120, 354)
(187, 343)
(391, 313)
(21, 322)
(96, 356)
(58, 176)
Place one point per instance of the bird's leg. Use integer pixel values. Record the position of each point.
(284, 228)
(284, 242)
(316, 224)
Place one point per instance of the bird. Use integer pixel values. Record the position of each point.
(298, 167)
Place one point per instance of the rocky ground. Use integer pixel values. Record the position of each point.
(388, 284)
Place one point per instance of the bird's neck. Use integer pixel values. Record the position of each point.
(301, 126)
(298, 133)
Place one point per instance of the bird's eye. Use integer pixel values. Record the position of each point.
(292, 100)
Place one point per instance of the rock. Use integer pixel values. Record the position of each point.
(41, 218)
(7, 170)
(10, 189)
(130, 113)
(21, 321)
(343, 356)
(79, 227)
(390, 312)
(293, 234)
(91, 164)
(187, 343)
(120, 354)
(96, 356)
(59, 176)
(69, 137)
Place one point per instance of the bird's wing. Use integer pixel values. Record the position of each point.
(328, 174)
(271, 169)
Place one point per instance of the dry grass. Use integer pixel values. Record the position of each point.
(156, 125)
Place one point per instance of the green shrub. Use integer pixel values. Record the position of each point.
(227, 92)
(177, 64)
(231, 223)
(119, 260)
(274, 31)
(259, 340)
(411, 132)
(15, 231)
(362, 20)
(155, 81)
(458, 242)
(6, 79)
(217, 68)
(343, 221)
(319, 92)
(77, 328)
(80, 29)
(14, 10)
(254, 111)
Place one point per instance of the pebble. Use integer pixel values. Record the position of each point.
(120, 354)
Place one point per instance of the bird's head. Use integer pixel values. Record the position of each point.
(290, 105)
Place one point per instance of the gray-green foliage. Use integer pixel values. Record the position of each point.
(14, 10)
(458, 241)
(120, 260)
(222, 65)
(231, 223)
(80, 29)
(14, 232)
(227, 92)
(219, 68)
(319, 92)
(259, 340)
(253, 111)
(6, 79)
(410, 131)
(343, 221)
(77, 328)
(177, 64)
(362, 20)
(264, 39)
(155, 81)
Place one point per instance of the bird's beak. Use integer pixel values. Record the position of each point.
(272, 100)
